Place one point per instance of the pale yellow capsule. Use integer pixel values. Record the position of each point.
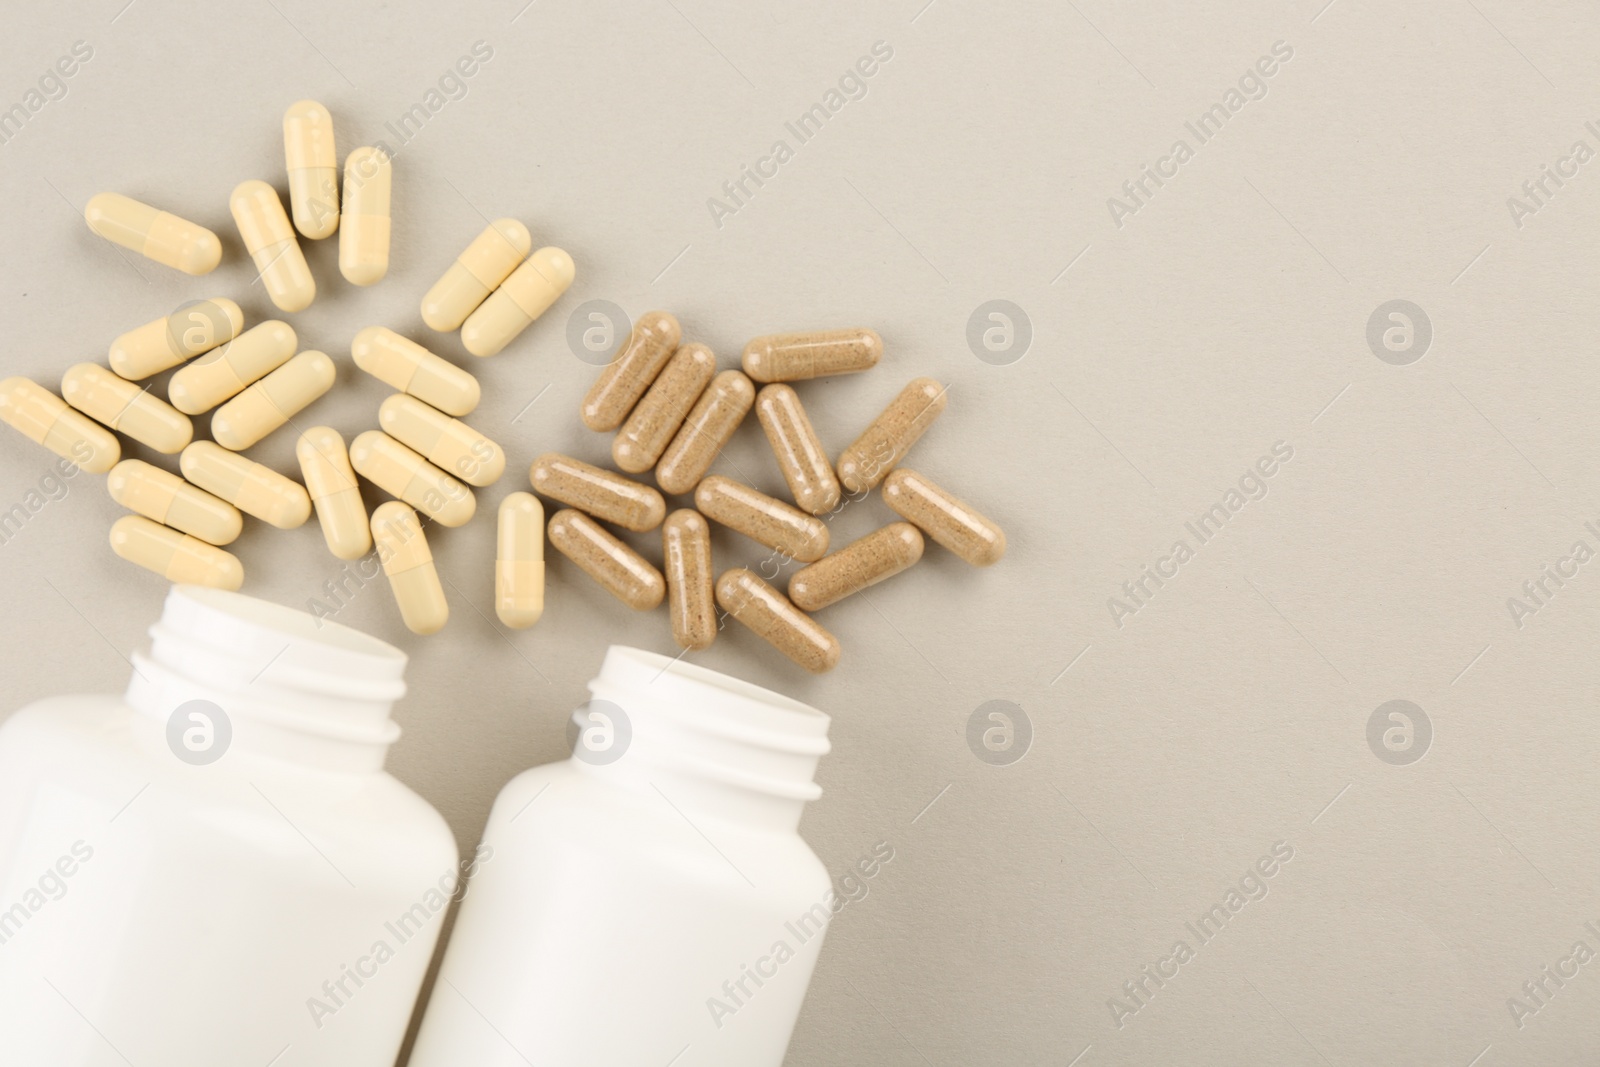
(331, 484)
(270, 240)
(410, 368)
(598, 492)
(793, 357)
(273, 401)
(403, 551)
(770, 616)
(764, 519)
(801, 457)
(950, 521)
(44, 418)
(716, 415)
(164, 497)
(657, 417)
(623, 381)
(686, 562)
(525, 295)
(154, 234)
(866, 561)
(247, 485)
(449, 444)
(365, 226)
(227, 371)
(477, 272)
(124, 406)
(175, 556)
(313, 165)
(620, 570)
(400, 472)
(519, 561)
(197, 327)
(885, 443)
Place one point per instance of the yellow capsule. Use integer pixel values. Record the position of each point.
(154, 234)
(598, 492)
(620, 570)
(169, 500)
(313, 165)
(686, 560)
(764, 519)
(331, 484)
(270, 240)
(227, 371)
(412, 369)
(477, 272)
(364, 237)
(657, 417)
(447, 443)
(175, 556)
(770, 616)
(525, 295)
(124, 406)
(272, 401)
(247, 485)
(794, 357)
(623, 381)
(801, 457)
(711, 423)
(950, 521)
(44, 418)
(198, 326)
(519, 561)
(866, 561)
(885, 443)
(400, 472)
(403, 551)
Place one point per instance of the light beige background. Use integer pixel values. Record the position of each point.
(1168, 354)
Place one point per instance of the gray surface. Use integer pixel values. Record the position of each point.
(1230, 313)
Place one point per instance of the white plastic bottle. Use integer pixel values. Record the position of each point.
(650, 900)
(201, 872)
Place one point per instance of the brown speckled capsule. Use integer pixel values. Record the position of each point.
(885, 443)
(657, 417)
(801, 457)
(773, 619)
(623, 573)
(719, 411)
(793, 357)
(868, 561)
(939, 514)
(625, 378)
(686, 559)
(597, 492)
(762, 518)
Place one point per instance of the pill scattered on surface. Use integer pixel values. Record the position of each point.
(519, 561)
(273, 401)
(126, 407)
(46, 419)
(801, 457)
(331, 484)
(165, 498)
(598, 492)
(400, 472)
(623, 381)
(794, 357)
(709, 426)
(477, 272)
(881, 554)
(412, 369)
(364, 226)
(657, 417)
(252, 488)
(686, 563)
(447, 443)
(764, 519)
(770, 616)
(177, 557)
(620, 570)
(227, 371)
(270, 240)
(154, 234)
(885, 443)
(312, 160)
(525, 295)
(164, 343)
(414, 580)
(942, 516)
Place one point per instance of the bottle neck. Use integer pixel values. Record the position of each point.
(289, 686)
(710, 745)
